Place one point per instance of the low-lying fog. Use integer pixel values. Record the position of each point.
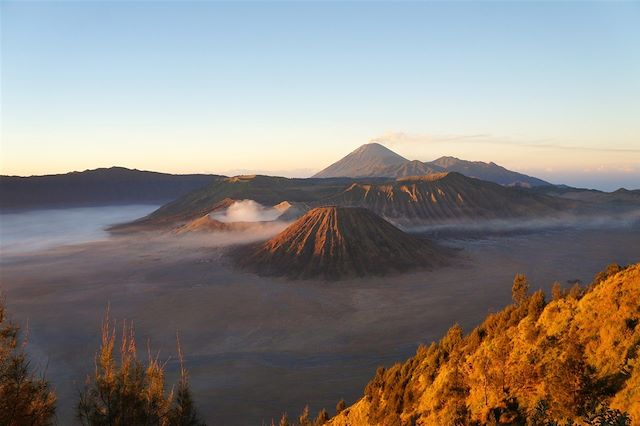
(39, 229)
(256, 347)
(479, 228)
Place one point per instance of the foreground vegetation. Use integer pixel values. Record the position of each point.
(573, 360)
(122, 391)
(25, 398)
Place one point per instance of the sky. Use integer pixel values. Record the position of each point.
(551, 89)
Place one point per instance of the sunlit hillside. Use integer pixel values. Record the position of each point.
(536, 362)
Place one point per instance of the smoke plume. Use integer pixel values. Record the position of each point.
(247, 211)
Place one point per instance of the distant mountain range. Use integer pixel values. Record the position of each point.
(372, 172)
(445, 197)
(105, 186)
(437, 198)
(375, 160)
(620, 197)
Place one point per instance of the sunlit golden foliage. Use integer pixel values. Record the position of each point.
(304, 419)
(321, 418)
(123, 391)
(573, 360)
(25, 399)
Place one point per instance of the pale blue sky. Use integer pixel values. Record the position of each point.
(549, 88)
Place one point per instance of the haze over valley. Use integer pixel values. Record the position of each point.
(273, 344)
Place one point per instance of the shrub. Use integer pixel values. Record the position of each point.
(25, 399)
(124, 391)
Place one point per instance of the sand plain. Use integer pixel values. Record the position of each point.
(256, 347)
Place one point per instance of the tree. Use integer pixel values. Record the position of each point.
(123, 391)
(24, 398)
(569, 382)
(284, 420)
(606, 416)
(611, 270)
(340, 406)
(452, 339)
(556, 291)
(303, 419)
(576, 291)
(519, 289)
(322, 418)
(539, 415)
(185, 413)
(536, 304)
